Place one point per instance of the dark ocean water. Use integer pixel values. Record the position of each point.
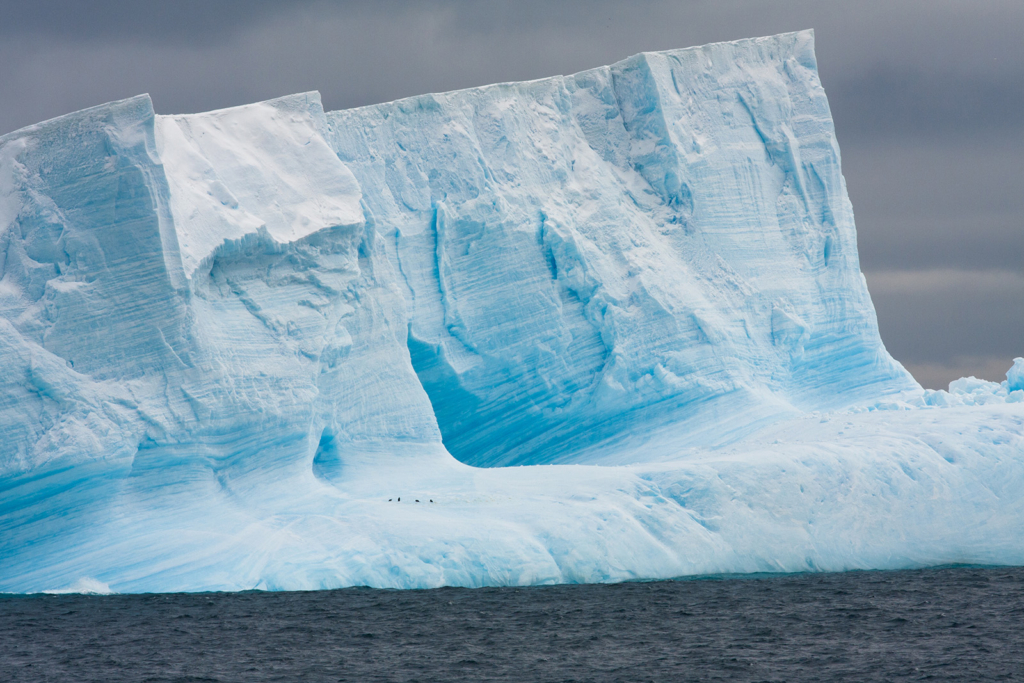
(955, 624)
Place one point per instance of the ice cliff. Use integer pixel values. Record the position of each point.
(664, 240)
(272, 347)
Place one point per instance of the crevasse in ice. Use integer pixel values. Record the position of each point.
(231, 342)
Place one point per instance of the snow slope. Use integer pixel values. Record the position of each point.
(231, 342)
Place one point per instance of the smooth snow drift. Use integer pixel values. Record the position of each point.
(269, 347)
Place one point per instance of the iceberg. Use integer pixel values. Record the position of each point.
(591, 328)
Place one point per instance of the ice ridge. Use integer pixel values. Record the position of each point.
(273, 347)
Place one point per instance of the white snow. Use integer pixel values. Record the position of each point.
(234, 171)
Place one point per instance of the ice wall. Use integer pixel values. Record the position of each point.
(667, 240)
(189, 302)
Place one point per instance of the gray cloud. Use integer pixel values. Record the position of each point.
(947, 323)
(896, 102)
(912, 65)
(927, 98)
(186, 22)
(934, 203)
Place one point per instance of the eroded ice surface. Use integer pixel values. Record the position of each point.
(665, 239)
(230, 342)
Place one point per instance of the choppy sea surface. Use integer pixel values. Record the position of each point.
(951, 624)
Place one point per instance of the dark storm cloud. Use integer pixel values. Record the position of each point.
(897, 102)
(889, 66)
(927, 97)
(938, 203)
(933, 315)
(177, 21)
(948, 323)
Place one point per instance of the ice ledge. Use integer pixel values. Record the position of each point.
(140, 104)
(233, 172)
(229, 172)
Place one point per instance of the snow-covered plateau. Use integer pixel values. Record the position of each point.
(588, 328)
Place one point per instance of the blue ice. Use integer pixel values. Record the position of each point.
(230, 342)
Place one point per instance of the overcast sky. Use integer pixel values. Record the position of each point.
(927, 97)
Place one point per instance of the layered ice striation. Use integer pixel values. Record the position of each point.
(666, 241)
(269, 347)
